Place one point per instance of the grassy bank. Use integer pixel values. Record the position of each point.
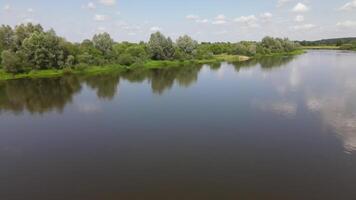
(321, 47)
(50, 73)
(293, 53)
(152, 64)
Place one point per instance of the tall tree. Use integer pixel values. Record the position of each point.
(161, 48)
(104, 43)
(43, 50)
(187, 44)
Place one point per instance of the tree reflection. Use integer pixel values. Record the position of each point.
(266, 63)
(38, 95)
(106, 85)
(164, 79)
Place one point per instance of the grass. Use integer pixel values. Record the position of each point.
(321, 47)
(152, 64)
(293, 53)
(50, 73)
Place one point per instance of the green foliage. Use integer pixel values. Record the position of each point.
(104, 43)
(11, 62)
(245, 48)
(126, 59)
(43, 50)
(29, 44)
(24, 31)
(329, 42)
(351, 47)
(187, 46)
(7, 37)
(276, 45)
(161, 48)
(70, 61)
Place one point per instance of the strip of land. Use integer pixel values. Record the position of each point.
(117, 68)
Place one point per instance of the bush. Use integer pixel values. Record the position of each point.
(67, 71)
(11, 62)
(70, 61)
(81, 66)
(126, 59)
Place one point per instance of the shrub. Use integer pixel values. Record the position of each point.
(11, 62)
(126, 59)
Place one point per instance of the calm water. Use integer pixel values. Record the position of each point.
(278, 128)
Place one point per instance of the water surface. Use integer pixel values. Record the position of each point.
(275, 128)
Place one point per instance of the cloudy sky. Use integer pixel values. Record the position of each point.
(205, 20)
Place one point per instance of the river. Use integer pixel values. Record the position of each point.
(274, 128)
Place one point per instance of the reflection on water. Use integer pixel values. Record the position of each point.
(38, 95)
(272, 128)
(44, 95)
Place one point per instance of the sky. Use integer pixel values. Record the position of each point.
(204, 20)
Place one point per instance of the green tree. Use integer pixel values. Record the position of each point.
(104, 43)
(187, 45)
(160, 47)
(6, 37)
(43, 50)
(24, 31)
(11, 61)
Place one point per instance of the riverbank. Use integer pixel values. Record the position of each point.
(152, 64)
(321, 47)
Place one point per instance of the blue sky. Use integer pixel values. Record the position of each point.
(205, 20)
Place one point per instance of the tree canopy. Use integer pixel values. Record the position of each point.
(30, 47)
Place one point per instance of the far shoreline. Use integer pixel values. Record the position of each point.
(151, 64)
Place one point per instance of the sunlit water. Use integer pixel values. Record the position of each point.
(278, 128)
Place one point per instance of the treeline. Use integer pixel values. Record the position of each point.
(343, 43)
(29, 47)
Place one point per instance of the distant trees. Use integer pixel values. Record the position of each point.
(29, 47)
(351, 46)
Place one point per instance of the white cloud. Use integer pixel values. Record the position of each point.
(197, 19)
(219, 22)
(349, 6)
(280, 3)
(347, 24)
(304, 27)
(192, 17)
(29, 20)
(7, 7)
(300, 7)
(98, 17)
(267, 16)
(101, 29)
(299, 18)
(250, 21)
(155, 29)
(30, 10)
(220, 17)
(203, 21)
(108, 2)
(91, 5)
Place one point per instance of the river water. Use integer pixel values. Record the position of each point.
(274, 128)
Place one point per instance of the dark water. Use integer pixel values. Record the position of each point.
(278, 128)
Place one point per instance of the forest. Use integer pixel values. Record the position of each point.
(28, 47)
